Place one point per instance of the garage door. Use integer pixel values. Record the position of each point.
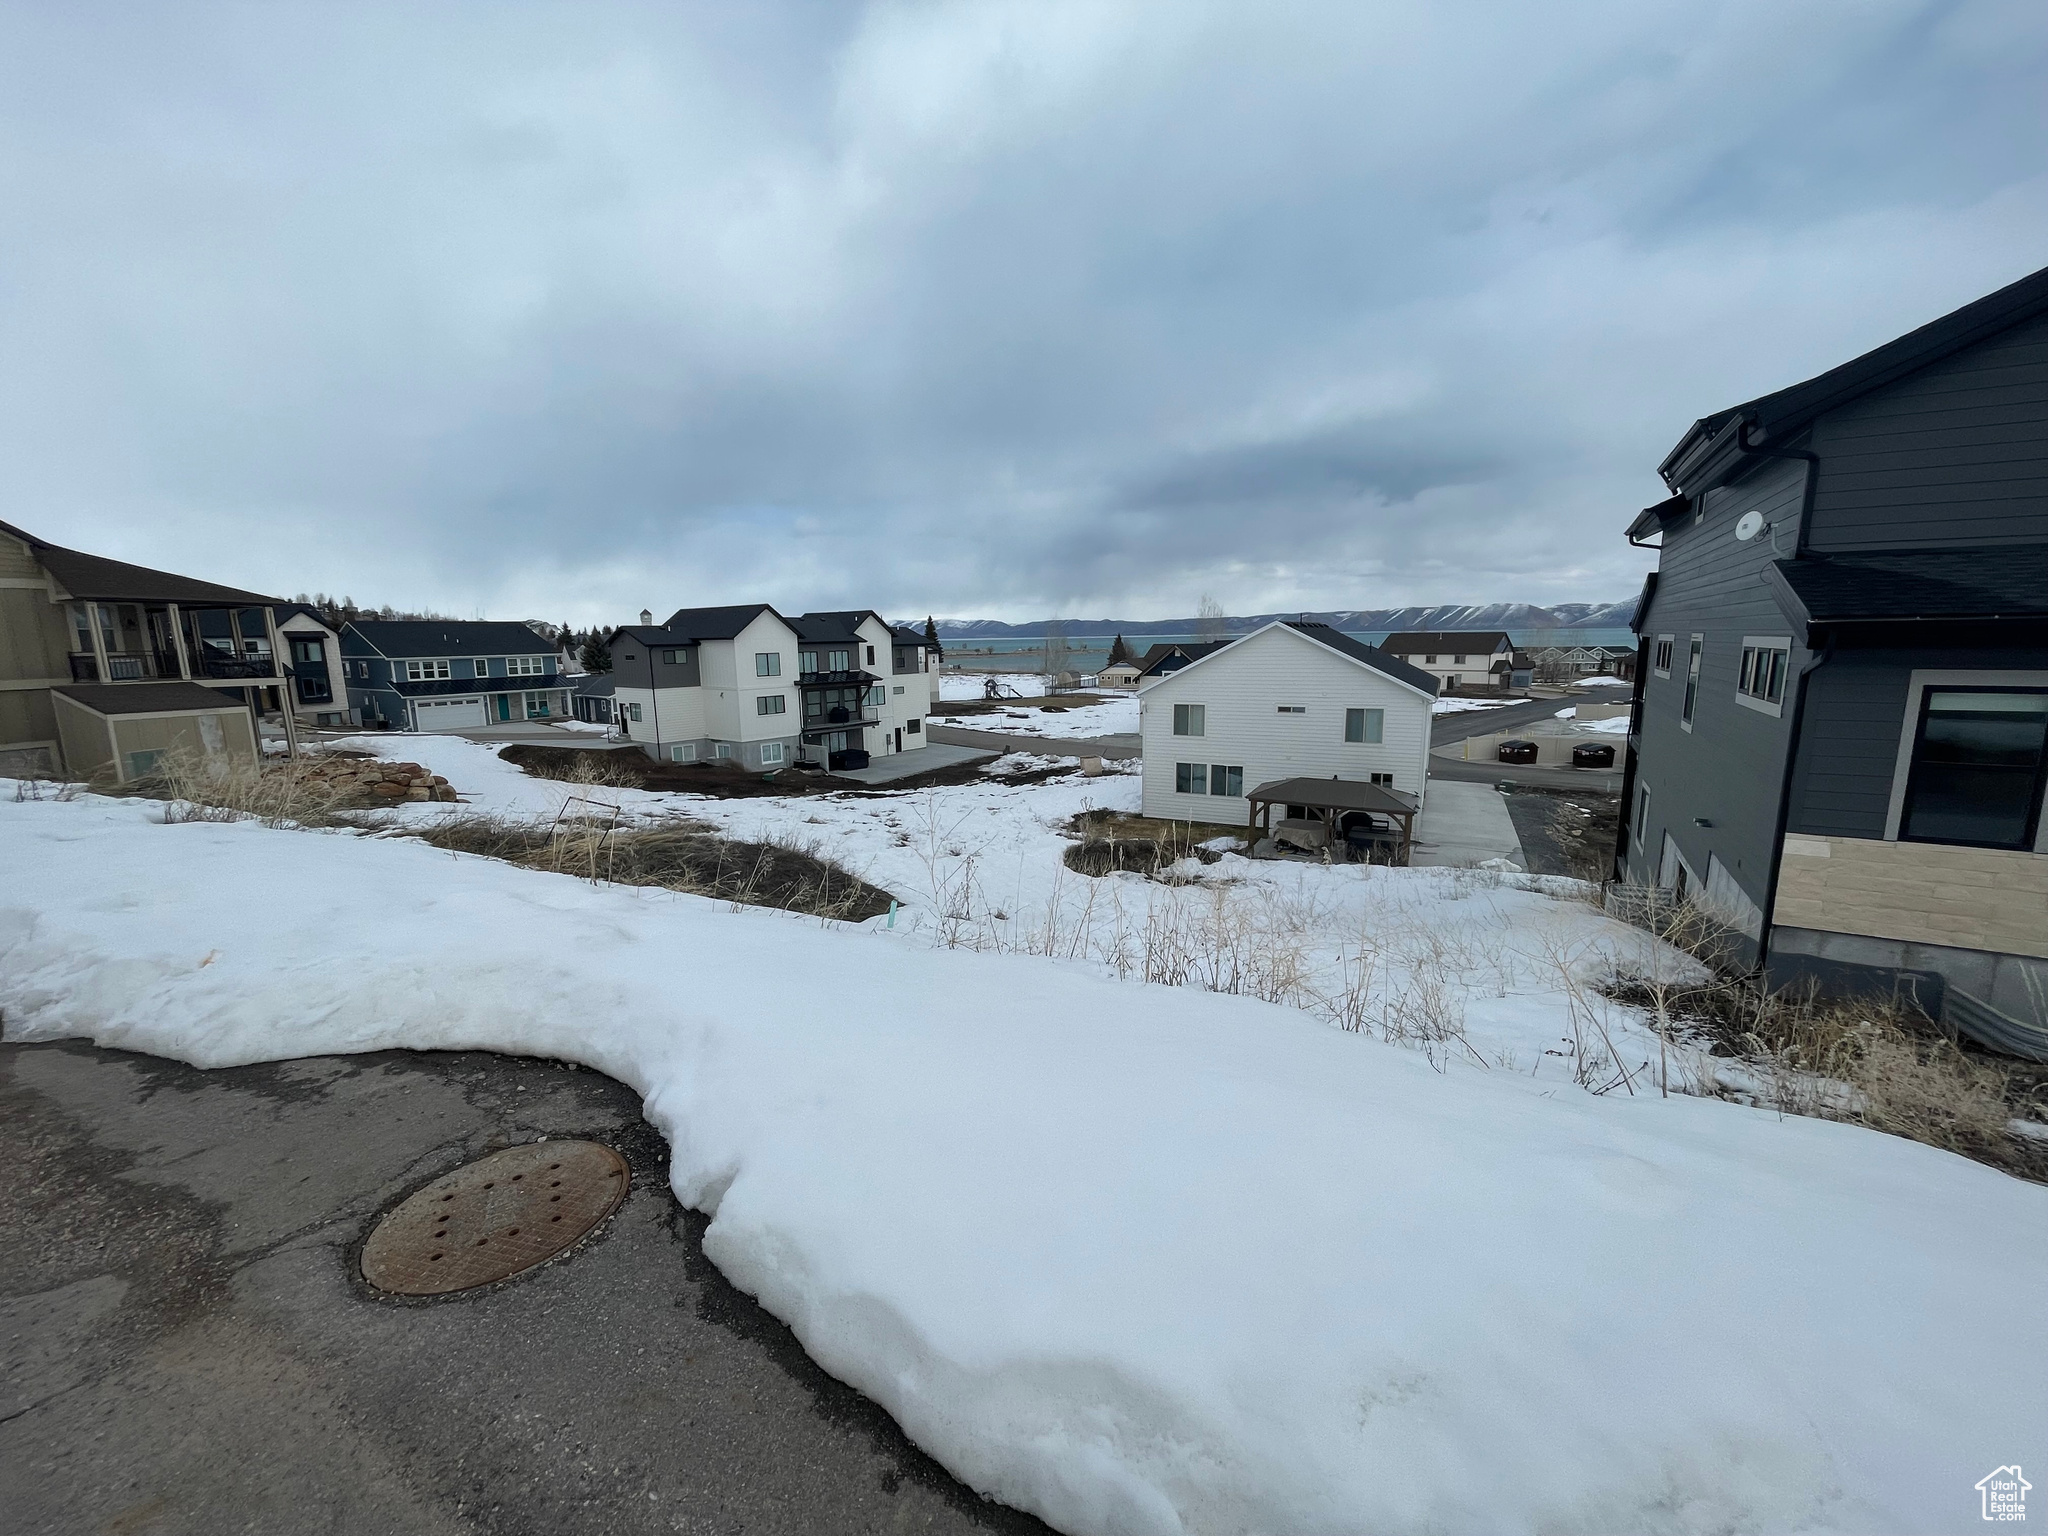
(449, 714)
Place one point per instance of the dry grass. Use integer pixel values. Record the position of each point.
(678, 855)
(1869, 1061)
(1112, 841)
(276, 792)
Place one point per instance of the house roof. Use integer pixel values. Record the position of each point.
(147, 698)
(907, 635)
(596, 685)
(1193, 650)
(1777, 416)
(285, 613)
(1337, 795)
(1375, 657)
(648, 635)
(96, 578)
(847, 620)
(1901, 586)
(1424, 642)
(713, 623)
(449, 637)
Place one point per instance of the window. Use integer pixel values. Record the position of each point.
(1291, 709)
(1977, 767)
(1225, 780)
(807, 661)
(1692, 682)
(140, 763)
(481, 667)
(1761, 684)
(1190, 778)
(913, 726)
(1642, 814)
(721, 750)
(768, 664)
(771, 704)
(309, 653)
(633, 713)
(536, 706)
(1660, 658)
(1458, 660)
(1430, 657)
(1384, 778)
(771, 753)
(838, 661)
(898, 690)
(682, 752)
(877, 694)
(871, 655)
(1190, 719)
(425, 671)
(1366, 725)
(529, 666)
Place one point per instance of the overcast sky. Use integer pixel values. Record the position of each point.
(990, 310)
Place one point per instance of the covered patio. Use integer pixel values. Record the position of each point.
(1371, 821)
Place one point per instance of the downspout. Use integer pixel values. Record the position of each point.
(1807, 668)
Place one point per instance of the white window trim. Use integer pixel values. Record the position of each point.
(1917, 684)
(1751, 701)
(781, 753)
(1655, 645)
(1689, 680)
(515, 666)
(429, 676)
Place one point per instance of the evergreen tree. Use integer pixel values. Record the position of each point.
(931, 637)
(1118, 651)
(596, 655)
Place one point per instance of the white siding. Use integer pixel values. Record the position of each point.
(913, 703)
(1241, 688)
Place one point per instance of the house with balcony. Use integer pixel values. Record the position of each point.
(106, 666)
(449, 675)
(745, 685)
(1839, 742)
(1463, 661)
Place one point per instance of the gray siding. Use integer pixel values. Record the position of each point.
(1955, 456)
(1728, 769)
(635, 666)
(1848, 749)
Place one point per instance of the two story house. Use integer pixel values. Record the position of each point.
(449, 675)
(106, 666)
(1840, 737)
(1290, 700)
(743, 684)
(1463, 661)
(319, 679)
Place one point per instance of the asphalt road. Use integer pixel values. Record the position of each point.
(186, 1345)
(1482, 722)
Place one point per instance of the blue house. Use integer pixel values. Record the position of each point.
(446, 675)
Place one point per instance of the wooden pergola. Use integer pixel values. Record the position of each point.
(1335, 799)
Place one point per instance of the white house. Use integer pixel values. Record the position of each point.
(319, 686)
(1467, 661)
(745, 685)
(1290, 700)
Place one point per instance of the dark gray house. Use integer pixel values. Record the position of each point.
(449, 674)
(1840, 740)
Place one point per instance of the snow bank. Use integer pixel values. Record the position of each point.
(968, 685)
(1459, 704)
(1111, 717)
(1137, 1258)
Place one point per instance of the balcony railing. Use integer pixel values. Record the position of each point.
(123, 666)
(213, 664)
(840, 718)
(854, 679)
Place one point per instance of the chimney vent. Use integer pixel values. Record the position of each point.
(646, 617)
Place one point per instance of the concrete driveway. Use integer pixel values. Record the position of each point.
(186, 1346)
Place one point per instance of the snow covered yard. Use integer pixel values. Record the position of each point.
(1118, 716)
(1458, 704)
(968, 685)
(1136, 1257)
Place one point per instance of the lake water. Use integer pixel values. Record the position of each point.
(1087, 653)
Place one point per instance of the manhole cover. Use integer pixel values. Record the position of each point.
(495, 1217)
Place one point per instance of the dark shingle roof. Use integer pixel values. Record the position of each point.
(146, 698)
(95, 577)
(687, 624)
(1372, 656)
(450, 637)
(2008, 582)
(1426, 642)
(1194, 650)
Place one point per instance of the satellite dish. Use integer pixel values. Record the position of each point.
(1748, 526)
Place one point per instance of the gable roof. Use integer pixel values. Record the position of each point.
(1193, 650)
(285, 613)
(1778, 415)
(723, 623)
(1986, 585)
(1456, 641)
(1331, 639)
(96, 578)
(449, 637)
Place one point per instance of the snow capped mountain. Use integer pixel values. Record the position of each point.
(1510, 616)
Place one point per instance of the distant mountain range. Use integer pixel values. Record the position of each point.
(1509, 616)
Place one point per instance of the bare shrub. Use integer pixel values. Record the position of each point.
(196, 787)
(678, 855)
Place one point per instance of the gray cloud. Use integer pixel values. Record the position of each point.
(987, 308)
